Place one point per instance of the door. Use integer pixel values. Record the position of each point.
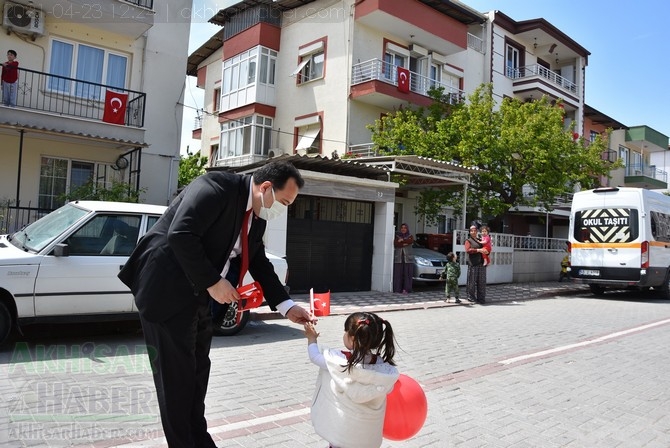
(329, 245)
(605, 241)
(86, 282)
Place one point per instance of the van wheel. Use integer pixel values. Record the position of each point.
(597, 289)
(5, 323)
(664, 291)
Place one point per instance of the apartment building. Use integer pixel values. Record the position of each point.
(98, 97)
(307, 78)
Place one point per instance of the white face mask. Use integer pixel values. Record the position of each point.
(275, 210)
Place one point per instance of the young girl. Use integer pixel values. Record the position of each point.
(486, 243)
(350, 398)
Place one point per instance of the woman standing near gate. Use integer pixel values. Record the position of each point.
(403, 260)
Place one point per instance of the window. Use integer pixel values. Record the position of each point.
(60, 176)
(593, 135)
(311, 67)
(213, 154)
(435, 75)
(392, 60)
(266, 72)
(623, 155)
(217, 100)
(512, 62)
(85, 63)
(241, 70)
(605, 225)
(106, 235)
(238, 137)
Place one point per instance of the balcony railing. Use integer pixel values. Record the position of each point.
(530, 71)
(74, 98)
(378, 70)
(649, 171)
(476, 43)
(148, 4)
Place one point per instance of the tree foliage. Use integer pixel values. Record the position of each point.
(190, 167)
(91, 191)
(516, 147)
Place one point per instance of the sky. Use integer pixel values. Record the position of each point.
(627, 73)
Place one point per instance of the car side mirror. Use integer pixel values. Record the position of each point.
(62, 250)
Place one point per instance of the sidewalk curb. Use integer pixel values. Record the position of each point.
(386, 307)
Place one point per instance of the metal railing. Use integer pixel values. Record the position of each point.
(148, 4)
(543, 72)
(476, 43)
(647, 171)
(73, 97)
(378, 70)
(14, 218)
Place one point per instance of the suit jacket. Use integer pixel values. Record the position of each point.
(185, 251)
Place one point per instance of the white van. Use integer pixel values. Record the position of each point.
(620, 238)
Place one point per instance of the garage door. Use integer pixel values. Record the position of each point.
(329, 245)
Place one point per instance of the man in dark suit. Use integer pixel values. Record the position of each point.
(182, 262)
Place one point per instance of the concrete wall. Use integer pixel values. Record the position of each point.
(536, 266)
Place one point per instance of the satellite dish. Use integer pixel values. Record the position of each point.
(18, 16)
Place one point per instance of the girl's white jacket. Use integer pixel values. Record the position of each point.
(348, 407)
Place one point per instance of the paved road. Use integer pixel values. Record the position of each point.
(571, 371)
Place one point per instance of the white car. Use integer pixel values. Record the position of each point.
(64, 267)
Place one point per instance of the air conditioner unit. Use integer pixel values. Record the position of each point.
(23, 19)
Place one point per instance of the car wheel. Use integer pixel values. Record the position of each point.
(5, 323)
(226, 323)
(597, 289)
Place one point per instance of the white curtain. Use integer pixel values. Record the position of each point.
(61, 64)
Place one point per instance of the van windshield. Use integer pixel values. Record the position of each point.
(39, 234)
(606, 225)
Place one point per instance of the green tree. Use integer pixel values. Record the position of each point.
(190, 167)
(514, 145)
(116, 191)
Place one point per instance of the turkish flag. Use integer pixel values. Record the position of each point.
(403, 80)
(115, 107)
(251, 296)
(321, 305)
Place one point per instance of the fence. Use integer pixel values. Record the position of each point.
(14, 218)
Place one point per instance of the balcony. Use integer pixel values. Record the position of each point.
(127, 17)
(71, 106)
(375, 82)
(645, 176)
(534, 81)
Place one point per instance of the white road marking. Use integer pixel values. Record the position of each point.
(582, 344)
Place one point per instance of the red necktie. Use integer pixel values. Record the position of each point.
(244, 236)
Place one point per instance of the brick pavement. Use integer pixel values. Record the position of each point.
(260, 398)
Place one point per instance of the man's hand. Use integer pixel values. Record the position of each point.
(299, 315)
(223, 292)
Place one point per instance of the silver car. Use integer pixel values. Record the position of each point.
(428, 265)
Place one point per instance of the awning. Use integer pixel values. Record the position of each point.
(308, 134)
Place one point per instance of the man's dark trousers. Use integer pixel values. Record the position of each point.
(181, 397)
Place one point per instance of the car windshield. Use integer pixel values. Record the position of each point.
(39, 234)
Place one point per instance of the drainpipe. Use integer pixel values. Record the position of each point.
(18, 176)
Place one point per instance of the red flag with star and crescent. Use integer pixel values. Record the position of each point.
(251, 296)
(403, 80)
(115, 107)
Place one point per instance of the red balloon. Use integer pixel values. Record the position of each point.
(406, 409)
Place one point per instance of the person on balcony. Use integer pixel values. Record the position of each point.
(10, 78)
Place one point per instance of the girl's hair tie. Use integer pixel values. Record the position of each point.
(363, 321)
